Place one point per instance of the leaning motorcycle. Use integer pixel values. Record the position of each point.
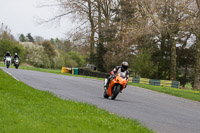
(16, 63)
(117, 84)
(8, 61)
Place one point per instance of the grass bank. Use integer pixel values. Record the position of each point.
(25, 109)
(55, 71)
(189, 94)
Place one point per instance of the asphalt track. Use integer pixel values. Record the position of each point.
(160, 112)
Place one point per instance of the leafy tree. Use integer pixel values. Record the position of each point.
(77, 58)
(22, 38)
(30, 38)
(142, 64)
(50, 50)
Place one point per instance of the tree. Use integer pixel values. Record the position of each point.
(142, 64)
(22, 38)
(116, 30)
(82, 12)
(5, 32)
(30, 38)
(168, 17)
(38, 39)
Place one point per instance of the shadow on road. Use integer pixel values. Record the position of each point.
(116, 100)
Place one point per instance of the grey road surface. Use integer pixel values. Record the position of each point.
(157, 111)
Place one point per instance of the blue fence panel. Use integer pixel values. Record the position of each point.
(136, 80)
(175, 84)
(154, 82)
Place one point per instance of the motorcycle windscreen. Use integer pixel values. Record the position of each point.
(123, 75)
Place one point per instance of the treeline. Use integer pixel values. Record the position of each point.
(159, 38)
(39, 52)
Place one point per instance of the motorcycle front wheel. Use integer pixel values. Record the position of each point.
(115, 91)
(7, 65)
(105, 94)
(16, 66)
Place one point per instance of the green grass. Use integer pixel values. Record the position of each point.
(189, 94)
(26, 110)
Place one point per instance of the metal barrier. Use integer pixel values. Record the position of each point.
(166, 83)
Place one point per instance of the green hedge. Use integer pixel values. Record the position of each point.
(11, 46)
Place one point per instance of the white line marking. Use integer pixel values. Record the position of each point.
(11, 75)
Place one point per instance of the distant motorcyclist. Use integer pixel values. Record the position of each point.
(16, 56)
(7, 55)
(123, 68)
(16, 61)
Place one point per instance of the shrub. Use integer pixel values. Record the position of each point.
(36, 56)
(78, 58)
(11, 46)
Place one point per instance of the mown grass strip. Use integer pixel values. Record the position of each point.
(25, 109)
(189, 94)
(55, 71)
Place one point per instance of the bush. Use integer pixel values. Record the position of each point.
(76, 57)
(142, 64)
(47, 56)
(36, 56)
(11, 46)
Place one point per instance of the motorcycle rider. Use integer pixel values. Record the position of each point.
(123, 68)
(16, 56)
(7, 54)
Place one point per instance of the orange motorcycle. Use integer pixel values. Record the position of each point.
(117, 84)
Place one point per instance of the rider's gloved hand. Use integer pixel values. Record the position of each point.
(113, 76)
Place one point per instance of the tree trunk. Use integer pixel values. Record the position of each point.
(173, 59)
(197, 60)
(100, 47)
(99, 23)
(92, 32)
(197, 66)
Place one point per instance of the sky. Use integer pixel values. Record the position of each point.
(22, 16)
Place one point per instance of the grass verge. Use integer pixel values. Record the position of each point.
(55, 71)
(189, 94)
(25, 109)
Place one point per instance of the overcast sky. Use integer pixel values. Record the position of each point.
(22, 16)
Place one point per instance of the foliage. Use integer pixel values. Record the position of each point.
(22, 38)
(30, 38)
(49, 48)
(142, 63)
(12, 47)
(36, 56)
(77, 57)
(73, 59)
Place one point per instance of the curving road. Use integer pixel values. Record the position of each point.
(157, 111)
